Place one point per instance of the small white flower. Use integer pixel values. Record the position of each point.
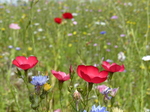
(146, 58)
(74, 14)
(102, 23)
(121, 56)
(36, 24)
(40, 29)
(35, 32)
(97, 23)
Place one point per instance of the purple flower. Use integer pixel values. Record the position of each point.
(115, 46)
(10, 46)
(109, 61)
(95, 44)
(105, 90)
(97, 109)
(108, 50)
(74, 22)
(70, 34)
(39, 80)
(114, 17)
(14, 26)
(122, 35)
(108, 43)
(103, 32)
(18, 48)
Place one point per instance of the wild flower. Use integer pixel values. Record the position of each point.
(39, 80)
(102, 23)
(18, 48)
(146, 58)
(46, 86)
(97, 109)
(115, 46)
(40, 30)
(106, 91)
(121, 56)
(10, 47)
(75, 23)
(57, 110)
(14, 26)
(25, 63)
(114, 17)
(3, 29)
(122, 35)
(36, 24)
(108, 50)
(103, 32)
(77, 95)
(74, 14)
(58, 20)
(70, 34)
(115, 109)
(29, 48)
(109, 60)
(112, 67)
(61, 76)
(67, 15)
(91, 74)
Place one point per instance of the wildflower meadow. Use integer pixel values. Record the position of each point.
(75, 56)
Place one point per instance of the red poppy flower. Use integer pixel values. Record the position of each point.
(58, 20)
(61, 76)
(112, 67)
(91, 74)
(67, 15)
(25, 63)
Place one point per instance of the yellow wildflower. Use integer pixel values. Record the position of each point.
(23, 16)
(24, 54)
(96, 101)
(74, 32)
(3, 29)
(29, 48)
(142, 67)
(84, 33)
(105, 47)
(69, 45)
(47, 86)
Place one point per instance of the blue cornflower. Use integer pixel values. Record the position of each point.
(97, 109)
(39, 80)
(103, 32)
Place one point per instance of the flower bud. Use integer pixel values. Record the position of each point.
(76, 95)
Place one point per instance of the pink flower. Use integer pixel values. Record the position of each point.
(105, 90)
(102, 88)
(14, 26)
(25, 63)
(74, 22)
(61, 76)
(114, 17)
(57, 110)
(112, 67)
(91, 74)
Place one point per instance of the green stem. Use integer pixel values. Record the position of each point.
(90, 85)
(60, 92)
(25, 79)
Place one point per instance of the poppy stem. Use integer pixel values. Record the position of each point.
(60, 91)
(25, 78)
(110, 77)
(90, 85)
